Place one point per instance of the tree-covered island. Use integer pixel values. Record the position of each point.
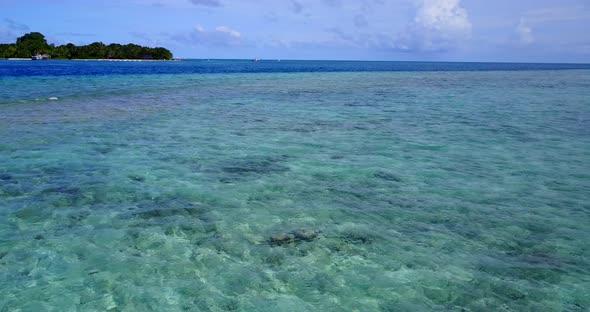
(35, 44)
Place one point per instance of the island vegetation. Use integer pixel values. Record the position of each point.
(35, 44)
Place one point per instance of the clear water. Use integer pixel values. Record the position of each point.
(417, 191)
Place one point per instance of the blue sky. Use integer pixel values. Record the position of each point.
(439, 30)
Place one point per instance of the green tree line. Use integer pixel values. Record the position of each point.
(35, 43)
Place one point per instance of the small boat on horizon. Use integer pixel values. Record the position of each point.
(256, 60)
(39, 57)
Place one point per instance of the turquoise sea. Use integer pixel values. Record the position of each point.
(294, 186)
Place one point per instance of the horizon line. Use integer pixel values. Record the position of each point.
(379, 60)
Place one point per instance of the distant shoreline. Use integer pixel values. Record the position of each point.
(122, 60)
(100, 60)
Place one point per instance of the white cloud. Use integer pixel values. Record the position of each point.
(228, 31)
(209, 3)
(524, 32)
(146, 39)
(12, 24)
(438, 25)
(220, 36)
(10, 30)
(445, 16)
(557, 14)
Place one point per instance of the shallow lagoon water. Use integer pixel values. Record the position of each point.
(425, 191)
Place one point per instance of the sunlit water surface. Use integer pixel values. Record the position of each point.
(350, 191)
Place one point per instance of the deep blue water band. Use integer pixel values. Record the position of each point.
(67, 68)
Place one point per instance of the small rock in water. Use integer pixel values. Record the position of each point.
(92, 272)
(53, 98)
(357, 238)
(305, 234)
(387, 176)
(294, 236)
(136, 177)
(282, 239)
